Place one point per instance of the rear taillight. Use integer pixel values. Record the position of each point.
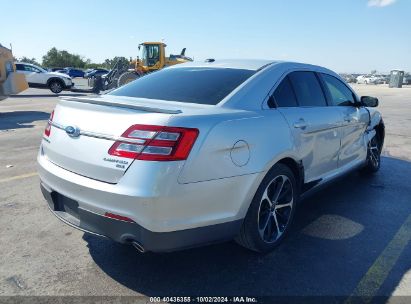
(47, 131)
(157, 143)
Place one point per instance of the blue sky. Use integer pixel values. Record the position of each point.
(344, 35)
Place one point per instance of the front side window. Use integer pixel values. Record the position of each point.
(307, 89)
(284, 95)
(193, 85)
(340, 94)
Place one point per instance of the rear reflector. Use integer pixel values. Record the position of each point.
(47, 131)
(157, 143)
(118, 217)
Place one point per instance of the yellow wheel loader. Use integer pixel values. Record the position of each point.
(152, 57)
(10, 82)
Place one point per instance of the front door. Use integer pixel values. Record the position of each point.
(355, 120)
(316, 127)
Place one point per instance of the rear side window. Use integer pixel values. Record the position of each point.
(30, 68)
(284, 95)
(19, 67)
(307, 89)
(340, 94)
(193, 85)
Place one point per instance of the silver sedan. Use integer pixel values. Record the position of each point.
(205, 152)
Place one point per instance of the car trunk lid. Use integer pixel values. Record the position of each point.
(84, 129)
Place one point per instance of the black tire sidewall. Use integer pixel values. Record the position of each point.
(58, 82)
(126, 76)
(251, 220)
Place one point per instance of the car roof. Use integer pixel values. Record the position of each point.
(252, 64)
(25, 63)
(246, 64)
(33, 65)
(266, 78)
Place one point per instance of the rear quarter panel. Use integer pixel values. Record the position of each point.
(238, 145)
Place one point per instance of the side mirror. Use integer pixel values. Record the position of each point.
(369, 101)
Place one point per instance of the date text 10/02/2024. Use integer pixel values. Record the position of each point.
(203, 299)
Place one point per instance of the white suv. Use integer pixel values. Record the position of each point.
(38, 77)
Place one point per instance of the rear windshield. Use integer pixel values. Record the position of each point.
(194, 85)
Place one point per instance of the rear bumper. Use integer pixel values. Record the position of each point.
(69, 212)
(150, 195)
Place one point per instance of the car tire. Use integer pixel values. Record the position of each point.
(271, 212)
(373, 156)
(56, 86)
(126, 78)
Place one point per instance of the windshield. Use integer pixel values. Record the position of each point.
(193, 85)
(43, 70)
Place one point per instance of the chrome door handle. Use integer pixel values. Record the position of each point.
(301, 124)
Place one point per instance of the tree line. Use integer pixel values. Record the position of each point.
(60, 59)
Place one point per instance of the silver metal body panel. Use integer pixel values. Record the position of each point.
(239, 140)
(150, 195)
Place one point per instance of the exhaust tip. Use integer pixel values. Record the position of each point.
(138, 246)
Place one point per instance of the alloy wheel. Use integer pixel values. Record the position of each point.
(374, 152)
(275, 209)
(56, 87)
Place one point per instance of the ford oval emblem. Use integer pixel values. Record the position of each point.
(72, 131)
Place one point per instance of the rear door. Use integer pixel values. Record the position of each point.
(22, 69)
(315, 125)
(33, 75)
(355, 120)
